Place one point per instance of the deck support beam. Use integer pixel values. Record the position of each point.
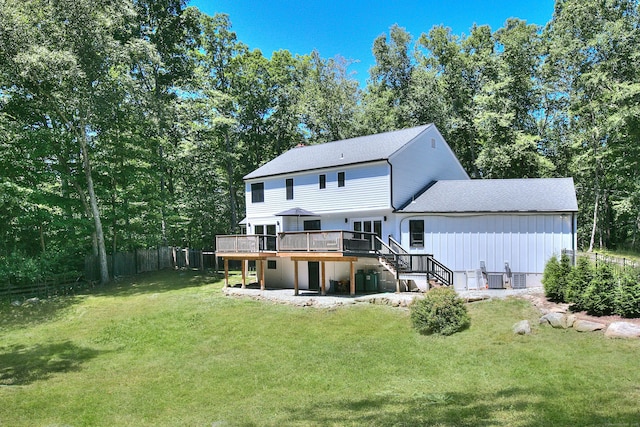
(323, 287)
(262, 274)
(226, 273)
(243, 265)
(295, 277)
(352, 281)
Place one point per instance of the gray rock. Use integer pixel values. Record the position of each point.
(557, 320)
(522, 328)
(16, 303)
(31, 301)
(570, 320)
(587, 326)
(622, 330)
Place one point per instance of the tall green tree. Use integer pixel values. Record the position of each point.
(593, 55)
(507, 104)
(329, 101)
(390, 78)
(54, 70)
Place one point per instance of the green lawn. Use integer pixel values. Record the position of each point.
(170, 349)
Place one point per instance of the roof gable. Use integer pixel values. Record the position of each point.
(363, 149)
(497, 195)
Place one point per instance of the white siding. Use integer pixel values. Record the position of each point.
(526, 242)
(283, 275)
(367, 187)
(419, 163)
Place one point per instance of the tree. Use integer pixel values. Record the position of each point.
(507, 103)
(329, 99)
(593, 58)
(388, 85)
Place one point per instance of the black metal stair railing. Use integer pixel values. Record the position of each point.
(396, 257)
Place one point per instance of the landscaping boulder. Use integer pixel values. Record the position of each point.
(557, 320)
(623, 330)
(522, 328)
(587, 326)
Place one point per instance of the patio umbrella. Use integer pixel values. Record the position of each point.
(297, 212)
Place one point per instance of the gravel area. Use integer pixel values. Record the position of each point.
(403, 299)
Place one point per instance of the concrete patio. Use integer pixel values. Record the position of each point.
(402, 299)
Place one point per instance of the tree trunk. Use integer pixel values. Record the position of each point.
(42, 246)
(594, 226)
(93, 201)
(232, 189)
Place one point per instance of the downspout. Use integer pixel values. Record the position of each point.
(391, 184)
(573, 237)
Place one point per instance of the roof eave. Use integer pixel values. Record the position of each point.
(248, 177)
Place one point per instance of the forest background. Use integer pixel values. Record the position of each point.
(130, 123)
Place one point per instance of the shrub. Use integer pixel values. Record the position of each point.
(628, 295)
(440, 312)
(599, 297)
(551, 279)
(577, 282)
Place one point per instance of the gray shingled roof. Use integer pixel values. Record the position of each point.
(362, 149)
(497, 195)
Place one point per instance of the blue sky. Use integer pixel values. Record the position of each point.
(348, 28)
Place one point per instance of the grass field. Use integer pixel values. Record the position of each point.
(170, 349)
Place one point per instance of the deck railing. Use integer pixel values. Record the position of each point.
(326, 241)
(249, 243)
(299, 241)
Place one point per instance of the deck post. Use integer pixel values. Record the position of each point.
(226, 273)
(295, 278)
(262, 275)
(352, 281)
(244, 275)
(323, 288)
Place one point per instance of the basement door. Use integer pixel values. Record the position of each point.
(314, 275)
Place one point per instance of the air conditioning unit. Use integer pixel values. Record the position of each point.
(519, 281)
(496, 281)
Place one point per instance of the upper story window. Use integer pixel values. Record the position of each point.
(340, 179)
(289, 188)
(416, 233)
(322, 181)
(257, 192)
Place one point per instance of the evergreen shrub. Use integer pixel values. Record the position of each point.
(551, 279)
(440, 312)
(577, 282)
(599, 298)
(628, 296)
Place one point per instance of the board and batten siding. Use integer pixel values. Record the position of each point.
(367, 187)
(526, 242)
(421, 161)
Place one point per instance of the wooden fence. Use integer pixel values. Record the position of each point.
(143, 260)
(45, 287)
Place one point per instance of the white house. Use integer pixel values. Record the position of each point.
(396, 211)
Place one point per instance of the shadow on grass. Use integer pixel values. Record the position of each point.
(155, 282)
(44, 310)
(515, 406)
(21, 365)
